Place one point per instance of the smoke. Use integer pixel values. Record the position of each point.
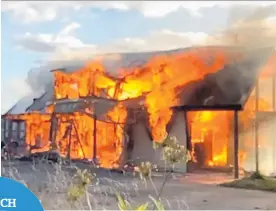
(40, 78)
(254, 31)
(249, 27)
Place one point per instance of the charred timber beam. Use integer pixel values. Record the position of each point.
(53, 129)
(78, 138)
(18, 121)
(70, 143)
(208, 108)
(81, 99)
(236, 145)
(117, 90)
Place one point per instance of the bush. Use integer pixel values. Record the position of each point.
(255, 182)
(172, 153)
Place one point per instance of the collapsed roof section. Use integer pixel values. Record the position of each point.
(230, 86)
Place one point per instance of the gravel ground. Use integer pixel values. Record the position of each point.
(192, 191)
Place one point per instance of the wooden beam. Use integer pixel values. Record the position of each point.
(52, 132)
(208, 107)
(69, 144)
(236, 145)
(78, 137)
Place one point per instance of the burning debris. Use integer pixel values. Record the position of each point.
(93, 114)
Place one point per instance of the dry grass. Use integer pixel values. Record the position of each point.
(51, 182)
(254, 182)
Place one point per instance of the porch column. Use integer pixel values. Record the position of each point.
(5, 129)
(236, 145)
(18, 129)
(10, 123)
(257, 127)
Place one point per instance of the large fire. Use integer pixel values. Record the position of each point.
(157, 81)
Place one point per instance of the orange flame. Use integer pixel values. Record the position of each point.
(157, 81)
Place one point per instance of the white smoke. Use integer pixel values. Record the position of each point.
(255, 29)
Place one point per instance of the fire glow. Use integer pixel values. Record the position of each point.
(158, 81)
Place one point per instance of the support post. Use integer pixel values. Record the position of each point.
(257, 127)
(70, 143)
(4, 131)
(274, 109)
(78, 138)
(52, 126)
(18, 127)
(236, 145)
(10, 123)
(256, 144)
(274, 92)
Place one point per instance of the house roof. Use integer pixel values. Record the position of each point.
(115, 61)
(231, 85)
(22, 105)
(40, 103)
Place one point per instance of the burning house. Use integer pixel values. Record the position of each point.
(193, 94)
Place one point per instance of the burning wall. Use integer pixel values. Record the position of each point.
(158, 80)
(214, 130)
(143, 149)
(90, 129)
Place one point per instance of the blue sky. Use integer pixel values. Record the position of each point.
(48, 32)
